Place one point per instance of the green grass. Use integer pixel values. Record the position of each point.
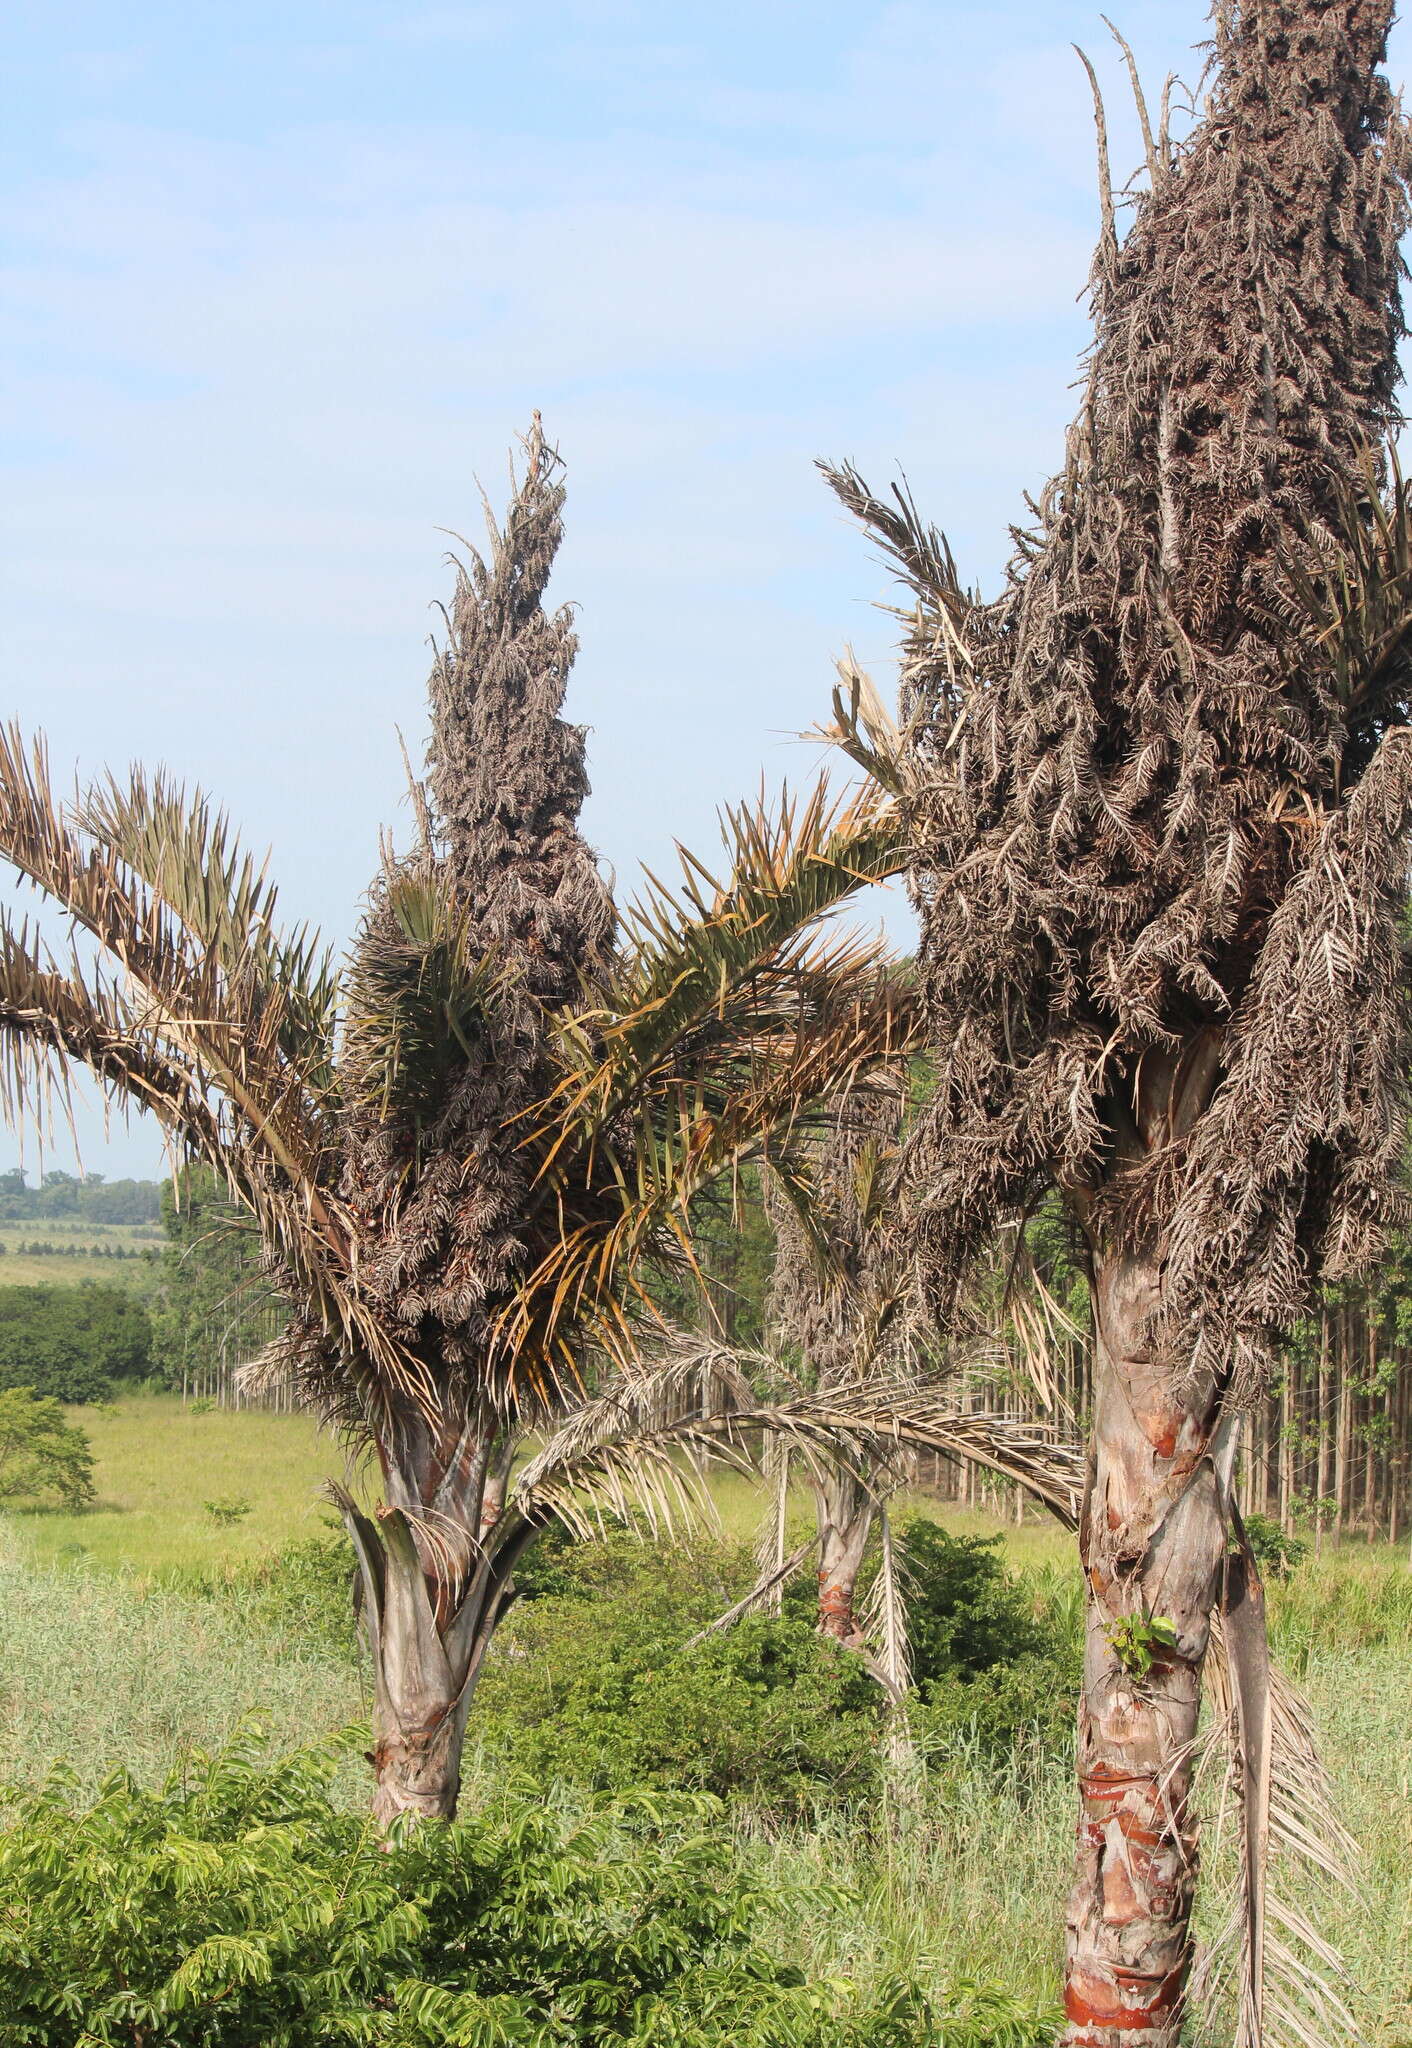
(157, 1463)
(101, 1662)
(100, 1669)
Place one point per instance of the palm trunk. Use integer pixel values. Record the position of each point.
(435, 1572)
(845, 1510)
(1152, 1542)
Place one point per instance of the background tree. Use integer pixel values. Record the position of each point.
(830, 1310)
(213, 1309)
(464, 1153)
(1159, 792)
(72, 1343)
(43, 1456)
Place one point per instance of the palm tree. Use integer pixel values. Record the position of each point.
(1158, 794)
(832, 1309)
(464, 1151)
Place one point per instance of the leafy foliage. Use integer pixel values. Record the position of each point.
(42, 1455)
(92, 1199)
(1140, 1641)
(966, 1614)
(237, 1908)
(72, 1342)
(596, 1677)
(1276, 1553)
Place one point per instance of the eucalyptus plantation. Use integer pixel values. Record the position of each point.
(1159, 793)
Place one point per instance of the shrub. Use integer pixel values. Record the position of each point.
(70, 1342)
(228, 1509)
(237, 1908)
(42, 1456)
(992, 1673)
(1276, 1554)
(965, 1613)
(597, 1681)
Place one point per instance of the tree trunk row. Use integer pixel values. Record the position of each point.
(1326, 1453)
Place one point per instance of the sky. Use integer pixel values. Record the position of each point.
(280, 285)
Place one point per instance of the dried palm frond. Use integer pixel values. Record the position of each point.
(1131, 762)
(1292, 1985)
(773, 1566)
(1159, 794)
(885, 1616)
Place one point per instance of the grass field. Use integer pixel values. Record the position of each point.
(100, 1662)
(77, 1253)
(156, 1465)
(158, 1461)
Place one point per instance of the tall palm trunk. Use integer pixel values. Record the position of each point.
(1152, 1542)
(436, 1581)
(844, 1508)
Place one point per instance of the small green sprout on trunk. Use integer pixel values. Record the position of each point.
(1139, 1641)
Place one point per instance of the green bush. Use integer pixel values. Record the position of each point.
(72, 1342)
(237, 1908)
(993, 1672)
(1276, 1553)
(965, 1613)
(597, 1681)
(42, 1456)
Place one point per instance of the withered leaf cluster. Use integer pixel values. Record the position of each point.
(1159, 788)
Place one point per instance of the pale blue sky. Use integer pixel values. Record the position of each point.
(281, 281)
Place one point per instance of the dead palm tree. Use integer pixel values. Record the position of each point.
(462, 1151)
(1159, 794)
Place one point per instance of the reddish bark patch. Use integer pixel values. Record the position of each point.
(1104, 2002)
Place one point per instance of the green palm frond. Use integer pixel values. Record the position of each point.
(730, 1017)
(668, 1141)
(698, 958)
(417, 1000)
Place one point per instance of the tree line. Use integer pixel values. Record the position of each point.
(89, 1198)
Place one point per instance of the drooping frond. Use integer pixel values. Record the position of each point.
(207, 985)
(191, 1010)
(620, 1451)
(1291, 1993)
(884, 1616)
